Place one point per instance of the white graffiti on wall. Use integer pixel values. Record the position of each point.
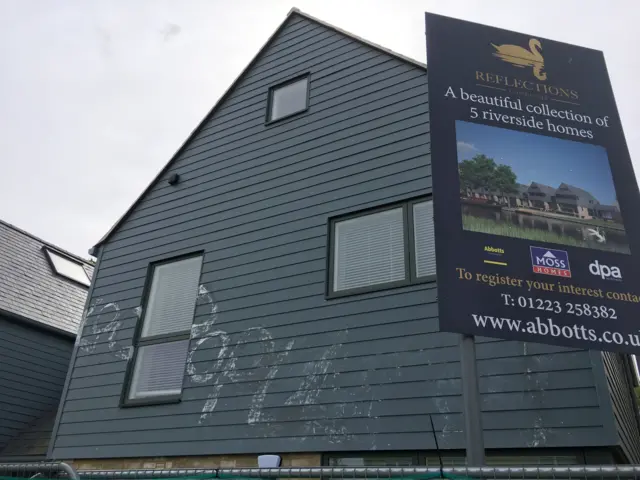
(255, 345)
(105, 322)
(256, 414)
(315, 376)
(224, 370)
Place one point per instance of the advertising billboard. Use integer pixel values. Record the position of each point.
(535, 199)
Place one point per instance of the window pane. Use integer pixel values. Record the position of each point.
(373, 461)
(507, 459)
(369, 250)
(68, 268)
(424, 239)
(450, 459)
(159, 369)
(289, 99)
(172, 297)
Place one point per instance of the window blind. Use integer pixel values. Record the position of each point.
(172, 297)
(424, 239)
(159, 369)
(369, 250)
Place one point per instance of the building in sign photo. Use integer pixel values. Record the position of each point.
(524, 185)
(274, 290)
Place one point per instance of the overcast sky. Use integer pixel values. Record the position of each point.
(96, 96)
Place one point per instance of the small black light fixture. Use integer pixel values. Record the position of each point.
(174, 179)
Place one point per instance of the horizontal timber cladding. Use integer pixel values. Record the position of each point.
(625, 408)
(302, 373)
(33, 367)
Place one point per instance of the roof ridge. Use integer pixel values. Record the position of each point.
(48, 244)
(357, 37)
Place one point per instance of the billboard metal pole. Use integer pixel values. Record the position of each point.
(471, 402)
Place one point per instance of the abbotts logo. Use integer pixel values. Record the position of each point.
(494, 250)
(605, 271)
(548, 261)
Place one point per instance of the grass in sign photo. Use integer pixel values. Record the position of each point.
(539, 188)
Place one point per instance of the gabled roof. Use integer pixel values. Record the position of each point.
(607, 208)
(577, 191)
(294, 11)
(31, 290)
(546, 189)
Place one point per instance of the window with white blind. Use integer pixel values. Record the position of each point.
(391, 246)
(424, 239)
(162, 341)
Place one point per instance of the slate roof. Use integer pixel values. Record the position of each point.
(292, 12)
(579, 192)
(607, 208)
(29, 287)
(542, 188)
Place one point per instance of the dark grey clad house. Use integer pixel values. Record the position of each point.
(273, 291)
(542, 196)
(42, 294)
(576, 201)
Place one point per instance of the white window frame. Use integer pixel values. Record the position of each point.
(410, 276)
(272, 90)
(129, 396)
(53, 256)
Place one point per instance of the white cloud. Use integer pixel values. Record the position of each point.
(465, 147)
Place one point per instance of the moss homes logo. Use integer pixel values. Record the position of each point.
(548, 261)
(523, 58)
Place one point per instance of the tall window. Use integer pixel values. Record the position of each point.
(162, 339)
(390, 246)
(288, 98)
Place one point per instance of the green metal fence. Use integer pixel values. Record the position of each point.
(56, 470)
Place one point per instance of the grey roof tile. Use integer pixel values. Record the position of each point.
(30, 288)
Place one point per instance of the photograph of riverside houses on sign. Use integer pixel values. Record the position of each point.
(537, 187)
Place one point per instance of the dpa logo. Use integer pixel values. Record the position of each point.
(605, 271)
(548, 261)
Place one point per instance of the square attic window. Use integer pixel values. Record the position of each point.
(288, 98)
(68, 268)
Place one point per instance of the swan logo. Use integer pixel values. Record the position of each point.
(605, 271)
(521, 57)
(550, 262)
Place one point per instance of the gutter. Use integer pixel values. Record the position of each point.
(36, 324)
